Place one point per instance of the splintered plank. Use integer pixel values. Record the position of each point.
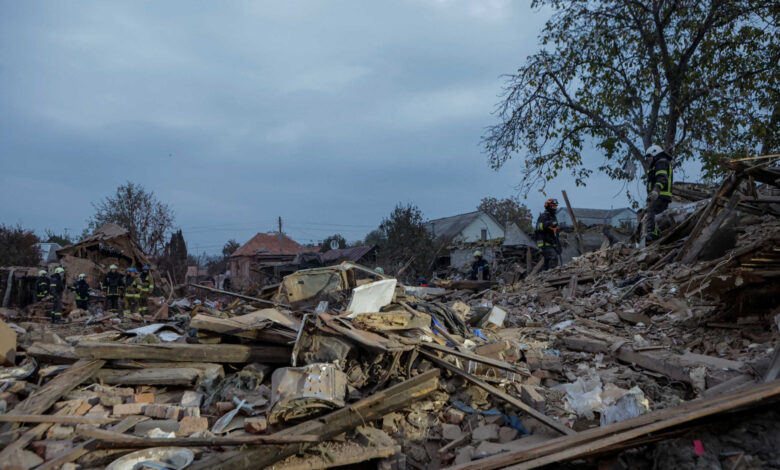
(498, 393)
(182, 376)
(33, 434)
(108, 439)
(75, 452)
(592, 440)
(41, 400)
(224, 353)
(328, 426)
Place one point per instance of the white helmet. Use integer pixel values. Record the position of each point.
(653, 150)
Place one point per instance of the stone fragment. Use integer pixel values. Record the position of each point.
(464, 455)
(189, 425)
(255, 424)
(143, 398)
(454, 416)
(128, 409)
(191, 398)
(506, 434)
(488, 432)
(450, 432)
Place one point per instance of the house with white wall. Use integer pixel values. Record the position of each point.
(471, 227)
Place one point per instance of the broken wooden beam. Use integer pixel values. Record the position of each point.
(105, 439)
(328, 426)
(232, 327)
(580, 242)
(52, 353)
(41, 400)
(591, 440)
(55, 419)
(84, 448)
(182, 376)
(498, 393)
(507, 366)
(222, 353)
(239, 296)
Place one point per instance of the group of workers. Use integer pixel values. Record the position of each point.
(133, 286)
(659, 194)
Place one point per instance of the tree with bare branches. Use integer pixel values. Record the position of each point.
(139, 212)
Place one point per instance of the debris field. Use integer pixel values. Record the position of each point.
(626, 357)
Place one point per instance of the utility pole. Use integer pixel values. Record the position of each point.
(280, 234)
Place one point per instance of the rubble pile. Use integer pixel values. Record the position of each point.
(589, 364)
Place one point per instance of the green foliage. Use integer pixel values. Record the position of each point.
(325, 245)
(408, 249)
(17, 246)
(139, 212)
(62, 240)
(230, 247)
(174, 258)
(508, 210)
(375, 237)
(700, 78)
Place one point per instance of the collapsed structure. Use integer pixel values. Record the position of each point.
(626, 357)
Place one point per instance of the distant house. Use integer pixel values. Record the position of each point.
(471, 227)
(262, 251)
(623, 217)
(195, 275)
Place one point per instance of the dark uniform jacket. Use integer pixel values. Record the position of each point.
(56, 285)
(113, 283)
(145, 281)
(547, 230)
(132, 286)
(659, 175)
(475, 270)
(42, 287)
(81, 288)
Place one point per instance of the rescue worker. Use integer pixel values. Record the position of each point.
(113, 286)
(56, 287)
(81, 289)
(146, 285)
(42, 285)
(132, 293)
(659, 188)
(547, 234)
(480, 269)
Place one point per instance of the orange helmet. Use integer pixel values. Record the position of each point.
(551, 203)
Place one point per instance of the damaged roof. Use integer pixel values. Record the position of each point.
(268, 243)
(353, 253)
(450, 227)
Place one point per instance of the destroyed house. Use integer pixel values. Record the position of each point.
(470, 227)
(623, 217)
(262, 251)
(365, 255)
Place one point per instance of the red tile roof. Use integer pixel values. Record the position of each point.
(268, 243)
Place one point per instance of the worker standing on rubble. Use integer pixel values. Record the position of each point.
(81, 289)
(56, 286)
(480, 269)
(146, 287)
(659, 188)
(547, 234)
(132, 292)
(42, 285)
(112, 287)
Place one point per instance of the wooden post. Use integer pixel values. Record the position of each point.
(580, 242)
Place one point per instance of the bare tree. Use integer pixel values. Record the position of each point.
(139, 212)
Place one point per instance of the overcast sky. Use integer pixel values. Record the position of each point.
(326, 113)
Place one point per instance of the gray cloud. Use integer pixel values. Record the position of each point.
(326, 113)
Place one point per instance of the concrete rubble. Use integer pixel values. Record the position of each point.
(625, 357)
